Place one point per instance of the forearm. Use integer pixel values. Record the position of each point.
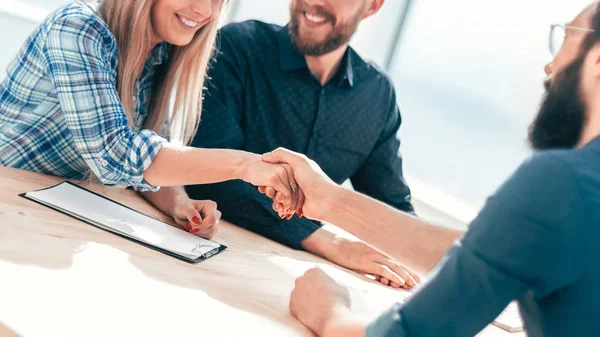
(406, 238)
(384, 182)
(180, 165)
(165, 198)
(323, 242)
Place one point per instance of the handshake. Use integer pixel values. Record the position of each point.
(296, 184)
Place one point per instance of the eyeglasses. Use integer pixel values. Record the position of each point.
(558, 34)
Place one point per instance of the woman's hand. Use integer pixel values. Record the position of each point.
(277, 177)
(315, 187)
(200, 217)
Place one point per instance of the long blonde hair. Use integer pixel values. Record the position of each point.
(179, 94)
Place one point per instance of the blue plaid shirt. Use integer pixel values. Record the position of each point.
(60, 112)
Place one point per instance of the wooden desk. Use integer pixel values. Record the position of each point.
(62, 277)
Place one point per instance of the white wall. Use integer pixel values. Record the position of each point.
(18, 18)
(469, 78)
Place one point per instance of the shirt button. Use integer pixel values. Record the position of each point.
(104, 163)
(322, 92)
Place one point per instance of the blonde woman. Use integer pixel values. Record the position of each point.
(109, 89)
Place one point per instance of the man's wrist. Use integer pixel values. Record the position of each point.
(320, 243)
(332, 202)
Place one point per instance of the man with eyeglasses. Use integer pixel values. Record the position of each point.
(535, 241)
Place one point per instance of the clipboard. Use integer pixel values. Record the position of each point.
(108, 215)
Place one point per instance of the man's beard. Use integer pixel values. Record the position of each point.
(561, 118)
(340, 34)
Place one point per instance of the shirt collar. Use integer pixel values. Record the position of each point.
(290, 59)
(348, 69)
(158, 55)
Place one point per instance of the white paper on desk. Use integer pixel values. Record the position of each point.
(109, 215)
(510, 319)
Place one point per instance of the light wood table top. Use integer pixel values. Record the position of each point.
(62, 277)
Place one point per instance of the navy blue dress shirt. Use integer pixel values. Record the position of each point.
(536, 241)
(261, 96)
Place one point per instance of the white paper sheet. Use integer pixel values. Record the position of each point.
(109, 215)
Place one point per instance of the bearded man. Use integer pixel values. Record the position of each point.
(303, 88)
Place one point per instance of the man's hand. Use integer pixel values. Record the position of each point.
(278, 177)
(200, 217)
(318, 300)
(315, 185)
(356, 255)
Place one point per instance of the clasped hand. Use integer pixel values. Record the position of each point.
(312, 186)
(277, 180)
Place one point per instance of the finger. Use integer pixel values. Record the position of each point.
(280, 184)
(289, 192)
(262, 189)
(208, 222)
(415, 276)
(294, 187)
(412, 282)
(384, 281)
(277, 207)
(282, 213)
(272, 194)
(212, 230)
(209, 233)
(282, 156)
(181, 222)
(301, 200)
(205, 206)
(386, 273)
(289, 200)
(185, 225)
(193, 217)
(394, 285)
(401, 271)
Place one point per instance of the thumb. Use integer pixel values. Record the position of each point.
(282, 156)
(194, 217)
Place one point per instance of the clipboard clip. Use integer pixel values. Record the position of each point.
(198, 250)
